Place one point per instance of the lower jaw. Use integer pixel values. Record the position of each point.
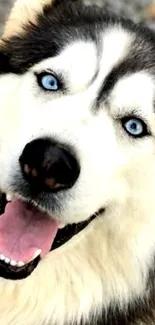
(63, 236)
(15, 273)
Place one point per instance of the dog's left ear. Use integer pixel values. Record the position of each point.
(22, 12)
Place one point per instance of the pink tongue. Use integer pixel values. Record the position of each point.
(23, 230)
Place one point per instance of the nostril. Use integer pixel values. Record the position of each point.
(49, 166)
(30, 171)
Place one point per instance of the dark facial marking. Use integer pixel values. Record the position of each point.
(137, 60)
(59, 25)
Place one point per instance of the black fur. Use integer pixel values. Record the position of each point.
(140, 57)
(58, 25)
(62, 23)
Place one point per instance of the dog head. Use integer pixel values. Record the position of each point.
(77, 143)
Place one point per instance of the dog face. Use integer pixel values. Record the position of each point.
(90, 111)
(77, 94)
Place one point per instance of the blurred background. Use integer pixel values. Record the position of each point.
(137, 10)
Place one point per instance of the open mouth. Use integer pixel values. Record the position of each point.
(27, 234)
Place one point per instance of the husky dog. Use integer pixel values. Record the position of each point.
(77, 165)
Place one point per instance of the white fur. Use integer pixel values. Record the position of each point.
(109, 260)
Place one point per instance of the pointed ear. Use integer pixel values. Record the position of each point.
(22, 12)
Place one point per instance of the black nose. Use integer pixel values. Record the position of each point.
(48, 166)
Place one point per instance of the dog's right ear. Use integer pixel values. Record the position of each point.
(24, 11)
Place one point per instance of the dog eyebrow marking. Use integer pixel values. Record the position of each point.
(124, 68)
(128, 66)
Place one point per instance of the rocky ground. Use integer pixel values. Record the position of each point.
(138, 10)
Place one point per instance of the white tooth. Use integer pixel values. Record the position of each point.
(20, 264)
(2, 257)
(13, 263)
(9, 197)
(7, 260)
(36, 254)
(61, 226)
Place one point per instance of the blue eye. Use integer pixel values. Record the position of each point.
(135, 127)
(48, 81)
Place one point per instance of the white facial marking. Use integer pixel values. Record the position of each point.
(135, 91)
(109, 260)
(77, 63)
